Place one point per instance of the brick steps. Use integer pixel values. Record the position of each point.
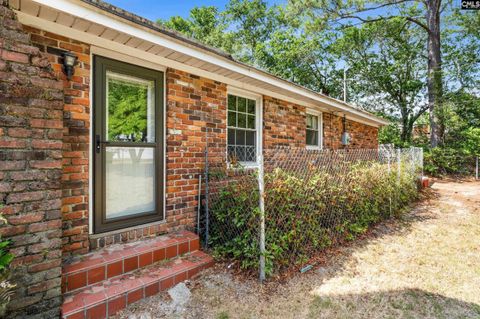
(118, 260)
(108, 297)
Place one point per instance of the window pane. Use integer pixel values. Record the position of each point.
(251, 107)
(250, 154)
(240, 136)
(232, 118)
(130, 182)
(231, 153)
(312, 138)
(242, 120)
(231, 136)
(251, 121)
(242, 104)
(232, 101)
(249, 138)
(312, 122)
(130, 108)
(240, 153)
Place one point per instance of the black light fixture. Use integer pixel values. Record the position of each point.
(69, 60)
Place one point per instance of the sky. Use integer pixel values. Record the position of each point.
(164, 9)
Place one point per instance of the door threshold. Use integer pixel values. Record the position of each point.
(123, 230)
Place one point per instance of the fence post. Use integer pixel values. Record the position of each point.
(421, 161)
(389, 157)
(261, 204)
(398, 165)
(476, 169)
(207, 213)
(413, 160)
(199, 205)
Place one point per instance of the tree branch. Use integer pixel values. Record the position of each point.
(382, 18)
(374, 8)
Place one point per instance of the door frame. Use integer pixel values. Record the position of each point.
(100, 66)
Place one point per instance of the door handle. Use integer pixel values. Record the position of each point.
(98, 142)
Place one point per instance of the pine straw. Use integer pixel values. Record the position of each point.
(426, 265)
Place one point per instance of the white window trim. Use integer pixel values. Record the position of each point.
(258, 125)
(319, 115)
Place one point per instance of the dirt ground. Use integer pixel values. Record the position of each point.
(426, 265)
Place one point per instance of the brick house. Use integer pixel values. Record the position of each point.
(110, 155)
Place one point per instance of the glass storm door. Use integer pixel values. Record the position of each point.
(128, 145)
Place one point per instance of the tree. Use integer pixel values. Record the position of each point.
(387, 69)
(425, 14)
(254, 23)
(204, 24)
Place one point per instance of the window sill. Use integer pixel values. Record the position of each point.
(243, 165)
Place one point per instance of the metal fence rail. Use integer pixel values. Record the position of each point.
(301, 201)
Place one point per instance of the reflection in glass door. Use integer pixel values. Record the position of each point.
(128, 145)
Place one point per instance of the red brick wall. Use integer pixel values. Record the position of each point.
(283, 123)
(361, 135)
(31, 134)
(76, 135)
(194, 105)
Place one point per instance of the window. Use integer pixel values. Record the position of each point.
(314, 130)
(242, 134)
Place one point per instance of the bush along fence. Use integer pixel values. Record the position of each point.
(299, 202)
(451, 162)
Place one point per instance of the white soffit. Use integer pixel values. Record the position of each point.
(86, 23)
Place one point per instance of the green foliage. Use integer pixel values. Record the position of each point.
(447, 161)
(386, 60)
(305, 213)
(456, 156)
(390, 134)
(234, 217)
(205, 24)
(127, 110)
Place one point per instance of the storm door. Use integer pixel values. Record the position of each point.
(128, 145)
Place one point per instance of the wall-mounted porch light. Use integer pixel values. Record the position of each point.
(69, 60)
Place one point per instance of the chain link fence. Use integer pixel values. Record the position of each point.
(299, 202)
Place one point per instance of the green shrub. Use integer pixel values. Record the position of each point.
(235, 219)
(305, 213)
(448, 161)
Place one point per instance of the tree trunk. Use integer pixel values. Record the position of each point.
(435, 78)
(407, 129)
(405, 134)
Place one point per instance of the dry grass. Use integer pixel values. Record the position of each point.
(425, 266)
